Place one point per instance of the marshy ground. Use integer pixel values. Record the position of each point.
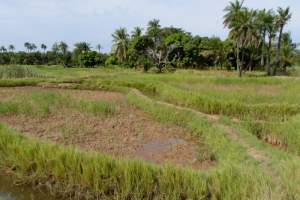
(126, 132)
(222, 137)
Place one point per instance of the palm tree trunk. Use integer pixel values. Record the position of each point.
(238, 67)
(278, 60)
(262, 61)
(268, 65)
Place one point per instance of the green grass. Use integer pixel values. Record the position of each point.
(46, 103)
(285, 135)
(15, 71)
(18, 82)
(284, 166)
(268, 108)
(73, 172)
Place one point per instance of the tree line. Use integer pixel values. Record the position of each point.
(60, 54)
(257, 41)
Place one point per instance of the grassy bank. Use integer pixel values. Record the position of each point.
(284, 165)
(87, 175)
(69, 172)
(241, 98)
(284, 135)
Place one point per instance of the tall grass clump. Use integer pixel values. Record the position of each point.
(35, 103)
(98, 108)
(234, 108)
(15, 71)
(43, 104)
(209, 102)
(285, 135)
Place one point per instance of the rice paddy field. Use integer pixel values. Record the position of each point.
(115, 133)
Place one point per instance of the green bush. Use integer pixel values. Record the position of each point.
(112, 60)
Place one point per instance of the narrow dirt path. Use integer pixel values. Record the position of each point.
(232, 133)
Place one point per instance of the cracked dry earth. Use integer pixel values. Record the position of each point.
(130, 133)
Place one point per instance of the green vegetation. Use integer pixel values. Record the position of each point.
(97, 175)
(9, 72)
(257, 41)
(236, 174)
(250, 126)
(45, 103)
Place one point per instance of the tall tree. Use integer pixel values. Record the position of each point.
(137, 32)
(284, 15)
(271, 32)
(33, 47)
(121, 43)
(63, 48)
(262, 21)
(82, 47)
(99, 47)
(44, 47)
(232, 21)
(289, 51)
(11, 48)
(154, 31)
(27, 46)
(3, 49)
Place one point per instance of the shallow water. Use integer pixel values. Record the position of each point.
(8, 191)
(158, 146)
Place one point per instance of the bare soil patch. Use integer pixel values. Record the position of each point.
(131, 133)
(232, 133)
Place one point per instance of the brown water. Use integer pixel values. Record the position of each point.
(158, 146)
(8, 191)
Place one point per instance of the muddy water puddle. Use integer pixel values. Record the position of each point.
(9, 191)
(157, 146)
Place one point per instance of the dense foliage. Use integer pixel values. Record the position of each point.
(256, 41)
(60, 54)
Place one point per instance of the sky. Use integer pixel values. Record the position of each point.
(93, 21)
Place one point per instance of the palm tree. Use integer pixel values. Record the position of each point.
(284, 15)
(246, 32)
(262, 21)
(63, 47)
(99, 47)
(288, 50)
(82, 47)
(154, 30)
(32, 47)
(44, 47)
(55, 48)
(232, 21)
(137, 32)
(27, 46)
(271, 32)
(3, 49)
(121, 43)
(11, 48)
(232, 12)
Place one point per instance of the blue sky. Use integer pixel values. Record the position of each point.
(93, 21)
